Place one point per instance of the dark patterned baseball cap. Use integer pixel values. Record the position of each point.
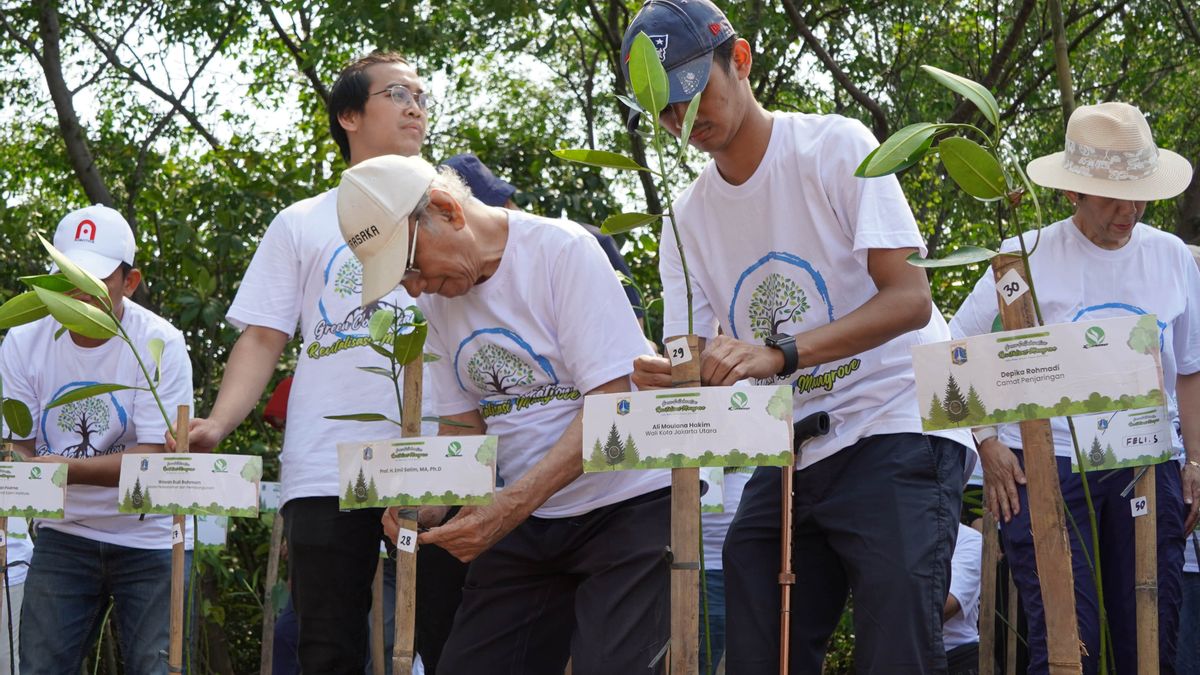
(685, 33)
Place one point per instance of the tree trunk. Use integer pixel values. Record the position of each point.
(1062, 60)
(1188, 225)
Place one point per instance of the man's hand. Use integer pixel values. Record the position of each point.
(1001, 475)
(204, 435)
(1191, 495)
(652, 372)
(727, 360)
(429, 517)
(474, 530)
(49, 459)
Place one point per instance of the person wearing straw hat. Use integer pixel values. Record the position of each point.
(527, 318)
(1101, 262)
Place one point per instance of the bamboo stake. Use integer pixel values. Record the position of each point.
(377, 642)
(685, 542)
(406, 561)
(987, 595)
(178, 533)
(267, 655)
(8, 452)
(1051, 548)
(1145, 574)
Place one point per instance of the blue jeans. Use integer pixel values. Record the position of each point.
(1187, 657)
(67, 590)
(714, 586)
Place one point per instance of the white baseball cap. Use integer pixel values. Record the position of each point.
(374, 201)
(96, 238)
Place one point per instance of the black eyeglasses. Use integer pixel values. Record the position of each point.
(404, 97)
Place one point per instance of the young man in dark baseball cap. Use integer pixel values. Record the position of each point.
(802, 268)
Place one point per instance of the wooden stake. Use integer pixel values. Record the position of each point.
(267, 655)
(377, 642)
(987, 595)
(8, 452)
(406, 561)
(1145, 574)
(685, 541)
(1051, 548)
(1011, 635)
(175, 652)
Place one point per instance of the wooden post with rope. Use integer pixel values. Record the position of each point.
(685, 539)
(403, 653)
(178, 536)
(8, 453)
(378, 666)
(987, 595)
(267, 654)
(1047, 522)
(1145, 571)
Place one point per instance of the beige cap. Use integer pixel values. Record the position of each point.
(1110, 152)
(374, 201)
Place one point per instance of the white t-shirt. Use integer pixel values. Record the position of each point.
(963, 628)
(786, 252)
(524, 346)
(1153, 273)
(714, 526)
(36, 369)
(20, 550)
(303, 274)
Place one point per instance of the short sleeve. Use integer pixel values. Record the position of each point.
(978, 312)
(448, 398)
(598, 335)
(174, 389)
(271, 289)
(16, 383)
(675, 316)
(1187, 325)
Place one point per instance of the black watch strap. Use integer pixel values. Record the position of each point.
(786, 344)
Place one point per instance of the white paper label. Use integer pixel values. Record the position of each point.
(176, 534)
(406, 540)
(678, 351)
(1011, 286)
(1138, 506)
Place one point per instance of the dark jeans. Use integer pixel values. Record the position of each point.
(963, 660)
(593, 588)
(1115, 522)
(714, 585)
(1187, 656)
(332, 556)
(879, 518)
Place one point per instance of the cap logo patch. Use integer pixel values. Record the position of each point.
(362, 237)
(86, 230)
(714, 28)
(689, 82)
(660, 44)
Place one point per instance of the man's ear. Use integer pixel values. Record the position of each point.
(132, 281)
(743, 58)
(443, 205)
(349, 119)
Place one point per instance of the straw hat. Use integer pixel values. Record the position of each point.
(1110, 152)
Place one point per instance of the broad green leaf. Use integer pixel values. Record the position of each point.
(382, 351)
(600, 158)
(375, 370)
(88, 392)
(624, 222)
(156, 346)
(647, 77)
(975, 170)
(17, 418)
(448, 422)
(964, 255)
(361, 417)
(430, 358)
(901, 150)
(83, 279)
(969, 89)
(22, 309)
(78, 316)
(381, 324)
(54, 282)
(689, 118)
(408, 346)
(631, 103)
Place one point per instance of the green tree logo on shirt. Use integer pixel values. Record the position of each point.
(348, 281)
(86, 418)
(495, 369)
(776, 301)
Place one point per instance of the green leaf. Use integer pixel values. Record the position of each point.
(54, 282)
(689, 118)
(83, 279)
(156, 346)
(22, 309)
(430, 358)
(361, 417)
(975, 170)
(631, 103)
(601, 158)
(78, 316)
(381, 324)
(624, 222)
(17, 417)
(448, 422)
(647, 77)
(375, 370)
(965, 255)
(88, 392)
(900, 151)
(969, 89)
(382, 351)
(408, 346)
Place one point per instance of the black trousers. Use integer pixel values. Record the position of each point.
(879, 518)
(332, 556)
(594, 588)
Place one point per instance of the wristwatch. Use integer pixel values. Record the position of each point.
(786, 344)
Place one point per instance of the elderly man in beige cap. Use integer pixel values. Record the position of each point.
(1103, 262)
(528, 318)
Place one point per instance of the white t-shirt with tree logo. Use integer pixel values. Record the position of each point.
(37, 368)
(786, 252)
(303, 275)
(523, 348)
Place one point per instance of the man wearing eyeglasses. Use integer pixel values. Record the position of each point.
(304, 275)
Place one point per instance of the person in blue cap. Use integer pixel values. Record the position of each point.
(801, 266)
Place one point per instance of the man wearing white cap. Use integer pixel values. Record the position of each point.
(94, 552)
(527, 317)
(1103, 262)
